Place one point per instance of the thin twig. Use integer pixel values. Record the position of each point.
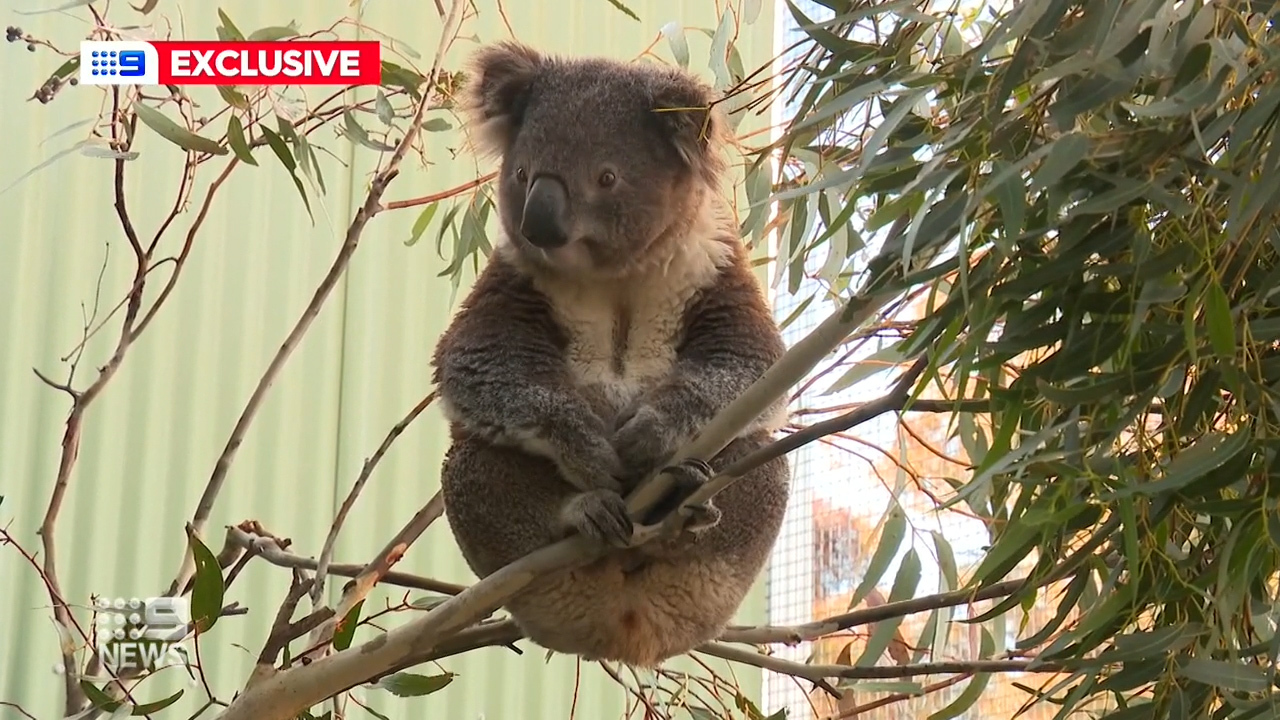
(796, 634)
(819, 672)
(376, 570)
(326, 554)
(266, 549)
(442, 195)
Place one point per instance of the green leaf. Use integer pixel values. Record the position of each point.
(676, 40)
(1236, 676)
(274, 32)
(147, 6)
(904, 588)
(403, 684)
(207, 591)
(1207, 454)
(346, 630)
(719, 52)
(396, 76)
(1064, 154)
(233, 97)
(352, 131)
(239, 146)
(1217, 316)
(60, 8)
(881, 360)
(895, 530)
(626, 10)
(281, 150)
(436, 125)
(174, 133)
(967, 698)
(68, 68)
(946, 562)
(382, 108)
(228, 30)
(47, 162)
(420, 225)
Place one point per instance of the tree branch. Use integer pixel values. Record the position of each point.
(818, 673)
(811, 631)
(267, 549)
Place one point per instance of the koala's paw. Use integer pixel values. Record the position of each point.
(593, 466)
(600, 515)
(644, 439)
(688, 476)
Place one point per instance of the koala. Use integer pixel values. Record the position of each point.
(616, 315)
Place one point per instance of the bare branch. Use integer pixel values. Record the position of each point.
(442, 195)
(817, 673)
(811, 631)
(377, 569)
(893, 400)
(326, 555)
(790, 369)
(267, 549)
(284, 630)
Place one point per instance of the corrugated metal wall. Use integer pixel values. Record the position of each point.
(151, 440)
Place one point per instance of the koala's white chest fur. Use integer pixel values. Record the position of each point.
(623, 335)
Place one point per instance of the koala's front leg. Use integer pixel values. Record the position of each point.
(541, 420)
(501, 374)
(729, 341)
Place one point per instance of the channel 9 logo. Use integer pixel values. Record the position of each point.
(131, 62)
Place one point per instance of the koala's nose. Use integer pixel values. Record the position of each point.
(545, 208)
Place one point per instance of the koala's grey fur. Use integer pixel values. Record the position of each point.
(617, 315)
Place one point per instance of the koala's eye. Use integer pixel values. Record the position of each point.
(521, 175)
(607, 179)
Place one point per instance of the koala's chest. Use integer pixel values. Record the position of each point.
(622, 343)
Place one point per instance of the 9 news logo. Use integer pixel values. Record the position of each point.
(130, 62)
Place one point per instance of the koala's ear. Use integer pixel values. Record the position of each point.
(687, 118)
(496, 91)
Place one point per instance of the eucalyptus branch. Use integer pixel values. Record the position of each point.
(790, 369)
(796, 634)
(267, 549)
(891, 401)
(819, 673)
(377, 569)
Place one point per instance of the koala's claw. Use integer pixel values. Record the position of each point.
(601, 515)
(689, 475)
(702, 517)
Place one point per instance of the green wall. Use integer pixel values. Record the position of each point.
(151, 439)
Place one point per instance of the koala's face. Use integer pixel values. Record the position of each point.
(600, 159)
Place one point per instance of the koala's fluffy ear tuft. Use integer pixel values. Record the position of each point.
(687, 116)
(496, 92)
